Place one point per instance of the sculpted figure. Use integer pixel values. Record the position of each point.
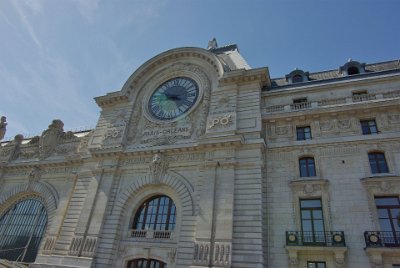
(158, 167)
(3, 125)
(50, 138)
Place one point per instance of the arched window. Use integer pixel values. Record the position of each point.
(145, 263)
(307, 167)
(21, 230)
(156, 213)
(377, 162)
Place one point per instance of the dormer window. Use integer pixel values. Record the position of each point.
(353, 70)
(297, 79)
(352, 67)
(297, 76)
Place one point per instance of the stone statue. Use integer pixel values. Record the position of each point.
(212, 44)
(3, 125)
(50, 138)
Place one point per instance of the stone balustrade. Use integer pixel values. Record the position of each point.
(331, 102)
(151, 234)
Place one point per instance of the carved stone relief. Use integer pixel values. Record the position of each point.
(223, 122)
(116, 129)
(280, 130)
(158, 168)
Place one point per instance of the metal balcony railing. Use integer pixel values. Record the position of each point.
(322, 239)
(382, 239)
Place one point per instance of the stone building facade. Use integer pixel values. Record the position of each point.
(202, 161)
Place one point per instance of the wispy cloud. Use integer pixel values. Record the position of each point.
(87, 8)
(19, 8)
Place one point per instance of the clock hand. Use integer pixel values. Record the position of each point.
(172, 96)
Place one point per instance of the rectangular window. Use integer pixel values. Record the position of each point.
(312, 222)
(307, 167)
(388, 208)
(369, 127)
(303, 133)
(316, 264)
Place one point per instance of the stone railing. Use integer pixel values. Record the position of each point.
(364, 97)
(49, 245)
(83, 246)
(331, 102)
(300, 106)
(218, 256)
(152, 234)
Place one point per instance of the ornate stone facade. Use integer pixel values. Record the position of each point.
(237, 167)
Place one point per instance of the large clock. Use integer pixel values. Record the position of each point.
(173, 98)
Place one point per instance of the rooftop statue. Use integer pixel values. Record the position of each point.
(3, 125)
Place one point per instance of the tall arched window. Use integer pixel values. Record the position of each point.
(21, 230)
(145, 263)
(156, 213)
(307, 167)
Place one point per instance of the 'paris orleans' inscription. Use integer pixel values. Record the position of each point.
(153, 133)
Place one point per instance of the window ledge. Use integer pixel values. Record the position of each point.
(380, 178)
(338, 253)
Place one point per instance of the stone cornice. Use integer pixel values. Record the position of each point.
(40, 164)
(111, 99)
(259, 75)
(205, 144)
(335, 141)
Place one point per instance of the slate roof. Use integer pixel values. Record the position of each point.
(334, 74)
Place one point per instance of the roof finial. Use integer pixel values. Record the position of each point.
(212, 44)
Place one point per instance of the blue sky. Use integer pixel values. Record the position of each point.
(56, 56)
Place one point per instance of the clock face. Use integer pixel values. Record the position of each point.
(173, 98)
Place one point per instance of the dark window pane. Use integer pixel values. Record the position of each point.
(297, 78)
(308, 203)
(146, 263)
(21, 229)
(156, 213)
(303, 133)
(377, 162)
(312, 221)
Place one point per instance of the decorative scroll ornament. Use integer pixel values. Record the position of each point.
(158, 167)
